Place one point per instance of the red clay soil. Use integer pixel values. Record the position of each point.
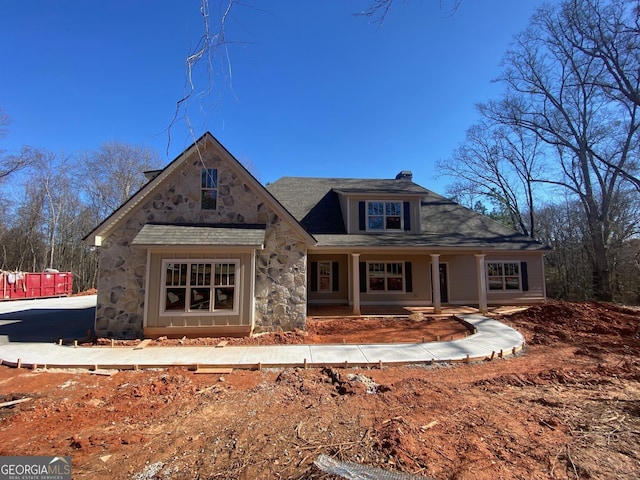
(335, 330)
(567, 407)
(91, 291)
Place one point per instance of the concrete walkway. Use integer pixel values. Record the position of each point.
(493, 339)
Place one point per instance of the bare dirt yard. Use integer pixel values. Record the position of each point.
(567, 407)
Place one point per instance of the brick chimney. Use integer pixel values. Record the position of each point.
(404, 175)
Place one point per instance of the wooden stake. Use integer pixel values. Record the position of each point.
(19, 363)
(305, 363)
(14, 402)
(75, 344)
(380, 364)
(214, 371)
(142, 344)
(60, 341)
(113, 343)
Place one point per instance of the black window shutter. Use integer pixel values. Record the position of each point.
(314, 276)
(336, 277)
(362, 218)
(407, 216)
(363, 277)
(525, 276)
(408, 279)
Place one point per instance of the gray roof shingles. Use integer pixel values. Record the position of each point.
(314, 202)
(224, 235)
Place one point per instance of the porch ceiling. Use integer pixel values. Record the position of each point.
(433, 241)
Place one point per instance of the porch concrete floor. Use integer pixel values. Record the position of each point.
(331, 311)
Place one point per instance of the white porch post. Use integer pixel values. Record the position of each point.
(482, 282)
(435, 282)
(355, 284)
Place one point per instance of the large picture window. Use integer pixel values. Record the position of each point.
(199, 286)
(384, 215)
(385, 276)
(209, 189)
(503, 276)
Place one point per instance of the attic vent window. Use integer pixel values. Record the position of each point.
(209, 189)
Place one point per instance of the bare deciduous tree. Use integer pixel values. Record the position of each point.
(378, 10)
(553, 92)
(113, 173)
(500, 164)
(10, 164)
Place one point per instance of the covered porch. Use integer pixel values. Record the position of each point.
(378, 279)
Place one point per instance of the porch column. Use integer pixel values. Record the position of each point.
(482, 283)
(435, 282)
(355, 284)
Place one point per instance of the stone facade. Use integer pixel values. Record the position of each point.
(280, 276)
(281, 280)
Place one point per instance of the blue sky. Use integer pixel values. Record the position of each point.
(314, 90)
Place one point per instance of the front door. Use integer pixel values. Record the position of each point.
(444, 283)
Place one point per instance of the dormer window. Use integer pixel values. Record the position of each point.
(209, 189)
(384, 215)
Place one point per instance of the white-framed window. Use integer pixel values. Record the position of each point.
(209, 189)
(385, 276)
(199, 286)
(325, 277)
(503, 276)
(382, 215)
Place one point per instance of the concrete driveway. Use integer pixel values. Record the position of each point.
(46, 319)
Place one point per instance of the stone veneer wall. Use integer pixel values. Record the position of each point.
(280, 283)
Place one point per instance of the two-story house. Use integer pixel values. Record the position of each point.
(204, 249)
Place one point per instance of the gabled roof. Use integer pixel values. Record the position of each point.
(445, 224)
(315, 201)
(112, 221)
